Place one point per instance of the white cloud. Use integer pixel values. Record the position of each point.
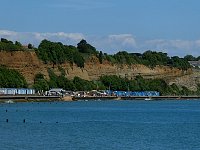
(59, 35)
(124, 39)
(197, 42)
(180, 44)
(36, 37)
(7, 33)
(175, 47)
(114, 43)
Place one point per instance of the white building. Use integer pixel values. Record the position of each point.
(195, 63)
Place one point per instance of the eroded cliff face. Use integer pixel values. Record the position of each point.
(28, 64)
(25, 62)
(95, 70)
(190, 80)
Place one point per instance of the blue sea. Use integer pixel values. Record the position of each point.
(101, 125)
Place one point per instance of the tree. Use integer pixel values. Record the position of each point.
(30, 46)
(40, 83)
(84, 47)
(53, 78)
(180, 63)
(83, 85)
(198, 58)
(38, 77)
(114, 82)
(153, 58)
(6, 41)
(190, 58)
(78, 59)
(100, 57)
(9, 46)
(57, 53)
(64, 83)
(18, 44)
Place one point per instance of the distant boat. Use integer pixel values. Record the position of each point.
(148, 99)
(9, 102)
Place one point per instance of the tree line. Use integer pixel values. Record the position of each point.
(58, 53)
(191, 58)
(6, 45)
(148, 58)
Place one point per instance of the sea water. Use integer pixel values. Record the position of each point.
(96, 125)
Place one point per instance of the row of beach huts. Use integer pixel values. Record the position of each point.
(17, 91)
(59, 91)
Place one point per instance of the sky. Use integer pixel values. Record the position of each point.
(170, 26)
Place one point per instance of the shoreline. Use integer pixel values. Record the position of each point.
(36, 98)
(29, 98)
(137, 98)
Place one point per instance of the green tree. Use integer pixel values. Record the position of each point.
(30, 46)
(114, 82)
(64, 83)
(190, 58)
(40, 83)
(10, 78)
(53, 79)
(84, 47)
(83, 85)
(57, 53)
(100, 57)
(18, 44)
(7, 45)
(180, 63)
(78, 59)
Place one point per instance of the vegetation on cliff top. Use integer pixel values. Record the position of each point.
(7, 45)
(149, 58)
(191, 58)
(57, 53)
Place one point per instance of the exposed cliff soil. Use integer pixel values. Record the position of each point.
(28, 64)
(94, 70)
(190, 81)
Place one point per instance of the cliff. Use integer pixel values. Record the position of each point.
(28, 64)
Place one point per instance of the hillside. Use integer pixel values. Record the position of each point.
(28, 64)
